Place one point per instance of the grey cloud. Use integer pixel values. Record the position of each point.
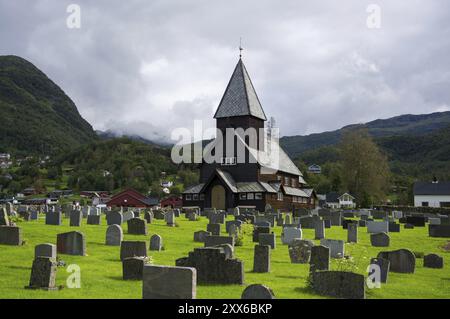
(146, 67)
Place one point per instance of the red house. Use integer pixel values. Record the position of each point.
(172, 202)
(132, 198)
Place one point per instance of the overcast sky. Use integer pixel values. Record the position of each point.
(145, 67)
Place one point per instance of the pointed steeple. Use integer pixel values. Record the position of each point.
(240, 98)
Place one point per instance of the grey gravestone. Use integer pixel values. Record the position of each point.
(93, 219)
(433, 261)
(230, 223)
(352, 232)
(327, 222)
(211, 241)
(11, 235)
(213, 229)
(227, 249)
(394, 227)
(213, 267)
(45, 250)
(300, 251)
(261, 259)
(127, 216)
(148, 216)
(71, 243)
(137, 226)
(114, 235)
(133, 249)
(267, 239)
(319, 229)
(34, 214)
(53, 218)
(114, 218)
(156, 242)
(442, 231)
(257, 291)
(133, 268)
(43, 274)
(320, 258)
(289, 234)
(200, 236)
(383, 265)
(337, 247)
(377, 227)
(417, 221)
(170, 219)
(165, 282)
(380, 240)
(336, 219)
(401, 261)
(4, 220)
(339, 284)
(192, 216)
(409, 226)
(260, 230)
(75, 218)
(307, 222)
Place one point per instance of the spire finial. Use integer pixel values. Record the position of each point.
(240, 47)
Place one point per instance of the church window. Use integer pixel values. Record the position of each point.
(243, 196)
(280, 196)
(250, 196)
(195, 197)
(258, 196)
(188, 197)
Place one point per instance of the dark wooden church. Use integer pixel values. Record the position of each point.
(260, 179)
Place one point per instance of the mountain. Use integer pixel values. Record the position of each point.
(109, 135)
(403, 125)
(36, 115)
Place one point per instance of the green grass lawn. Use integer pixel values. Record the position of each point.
(101, 269)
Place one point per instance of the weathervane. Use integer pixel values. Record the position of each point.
(240, 47)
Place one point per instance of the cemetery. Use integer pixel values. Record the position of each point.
(221, 254)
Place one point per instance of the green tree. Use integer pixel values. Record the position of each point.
(365, 170)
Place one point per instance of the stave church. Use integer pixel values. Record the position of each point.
(266, 176)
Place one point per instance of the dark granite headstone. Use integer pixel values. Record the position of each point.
(133, 249)
(261, 258)
(137, 226)
(320, 258)
(339, 284)
(384, 265)
(133, 268)
(43, 274)
(433, 261)
(401, 261)
(257, 291)
(71, 243)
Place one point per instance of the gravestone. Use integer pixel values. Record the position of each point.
(170, 219)
(45, 250)
(53, 218)
(379, 214)
(300, 251)
(339, 284)
(260, 230)
(4, 220)
(337, 247)
(156, 242)
(336, 219)
(319, 229)
(233, 230)
(352, 233)
(320, 258)
(114, 218)
(137, 226)
(11, 235)
(408, 226)
(230, 223)
(93, 219)
(417, 221)
(327, 222)
(257, 291)
(34, 214)
(383, 265)
(148, 216)
(211, 241)
(114, 235)
(200, 236)
(192, 216)
(442, 231)
(324, 212)
(307, 222)
(127, 216)
(261, 259)
(433, 261)
(227, 249)
(159, 214)
(401, 261)
(289, 234)
(394, 227)
(130, 248)
(434, 221)
(133, 268)
(380, 240)
(213, 229)
(280, 220)
(267, 239)
(377, 227)
(165, 282)
(71, 243)
(75, 218)
(43, 274)
(288, 219)
(213, 267)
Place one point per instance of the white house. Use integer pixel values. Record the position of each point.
(432, 194)
(315, 169)
(337, 200)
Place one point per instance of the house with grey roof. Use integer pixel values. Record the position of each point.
(266, 175)
(431, 194)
